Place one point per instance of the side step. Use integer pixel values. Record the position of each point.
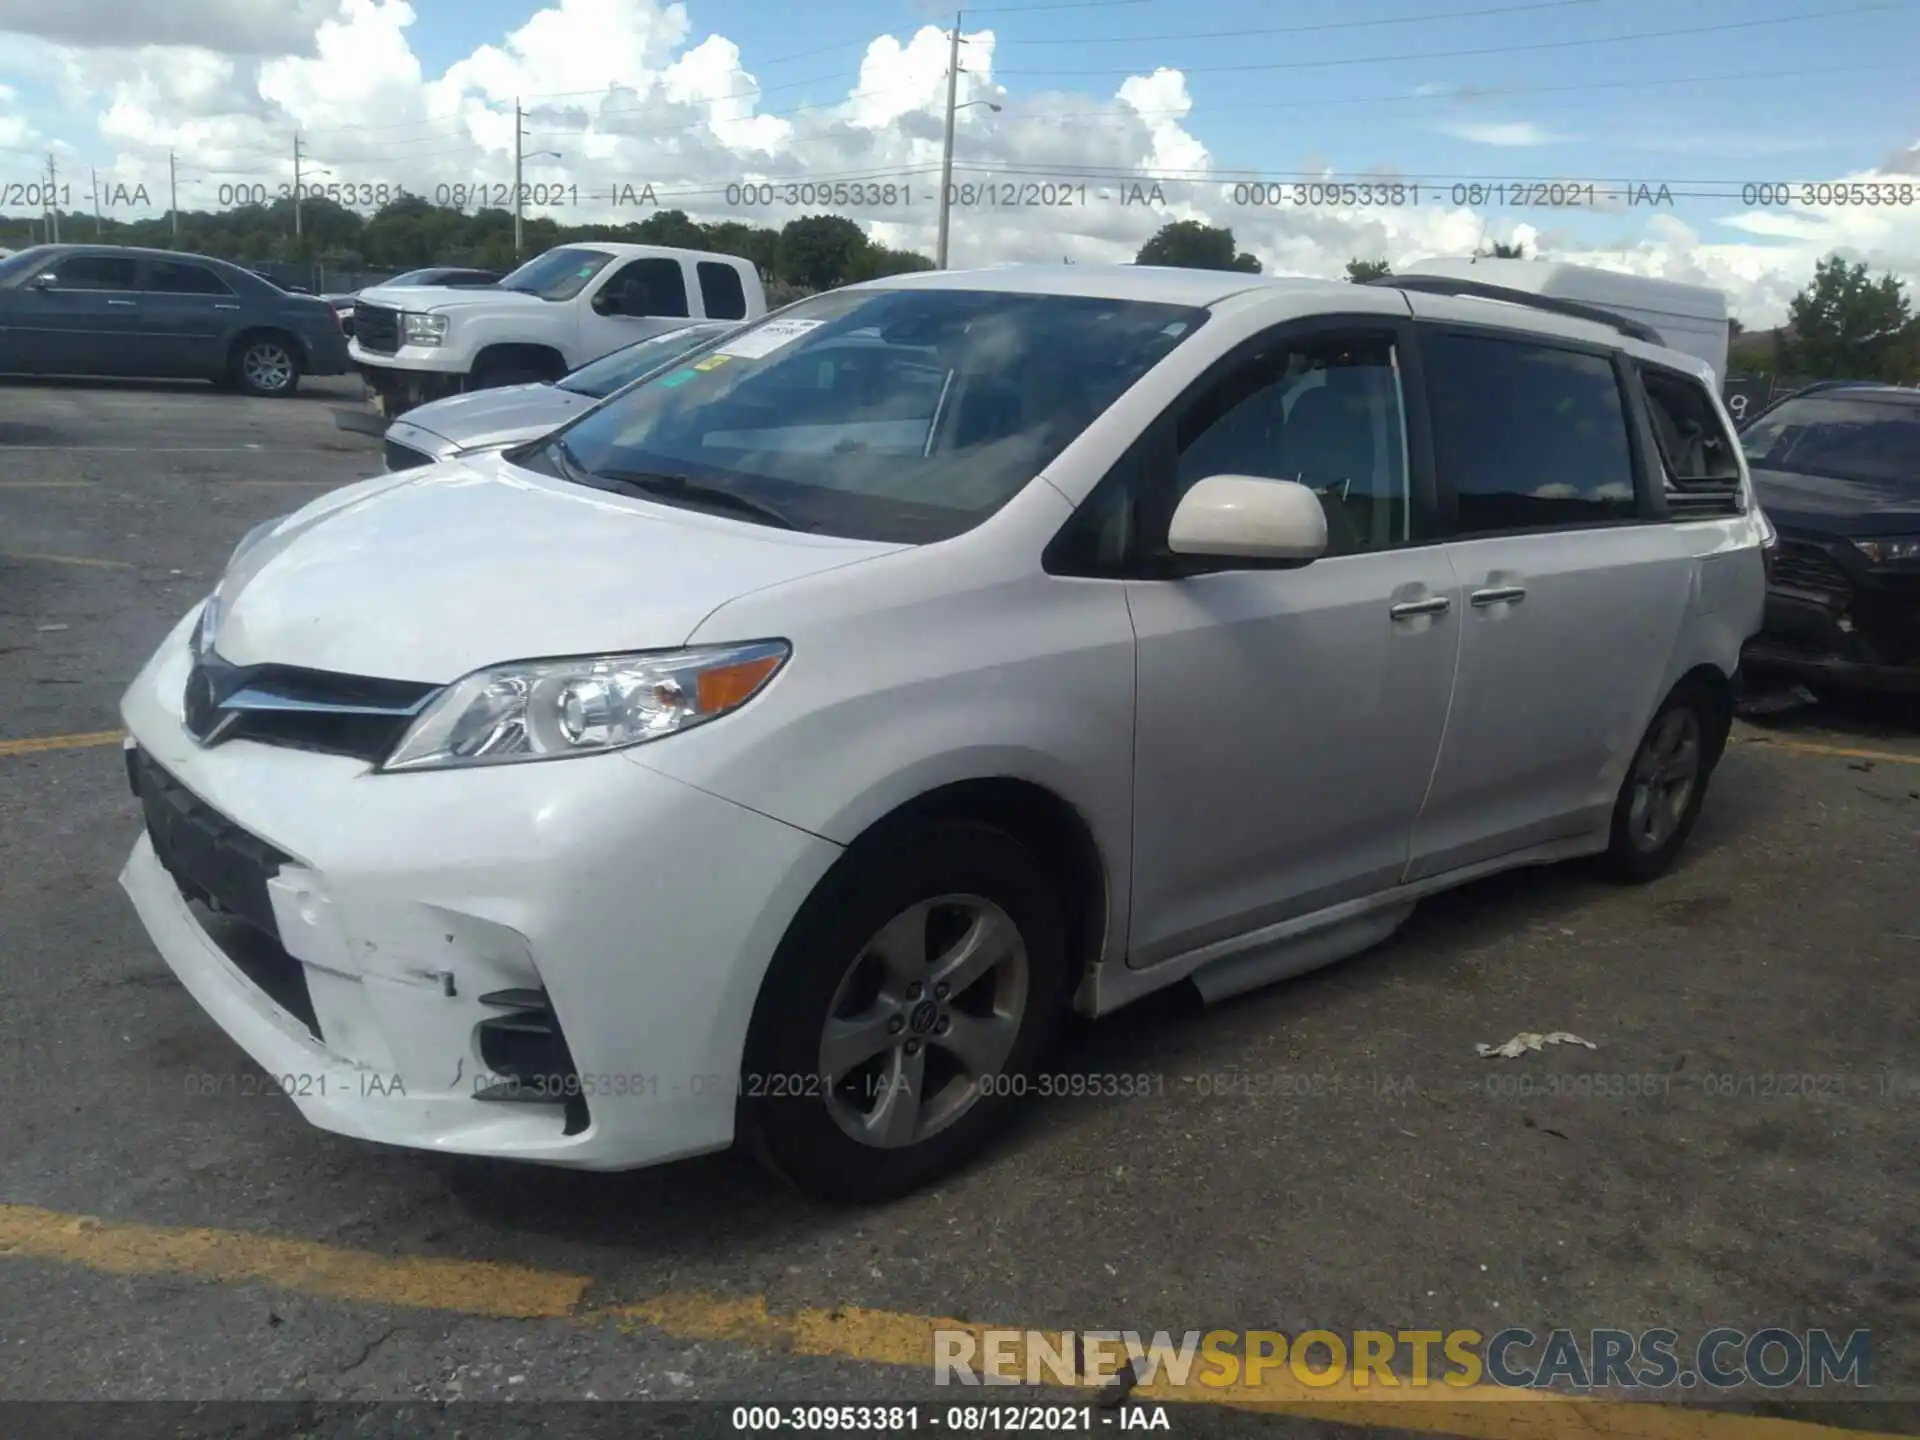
(1236, 974)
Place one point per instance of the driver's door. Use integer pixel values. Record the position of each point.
(1288, 721)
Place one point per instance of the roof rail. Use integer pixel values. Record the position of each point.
(1480, 290)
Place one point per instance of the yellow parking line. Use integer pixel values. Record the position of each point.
(65, 560)
(1807, 747)
(60, 742)
(494, 1290)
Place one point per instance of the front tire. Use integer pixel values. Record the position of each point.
(904, 1013)
(1665, 786)
(266, 365)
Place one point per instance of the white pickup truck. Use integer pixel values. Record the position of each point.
(554, 314)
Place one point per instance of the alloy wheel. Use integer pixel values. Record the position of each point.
(267, 366)
(923, 1021)
(1664, 775)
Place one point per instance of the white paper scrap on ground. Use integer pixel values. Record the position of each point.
(1530, 1040)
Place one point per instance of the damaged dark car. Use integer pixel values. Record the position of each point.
(1837, 471)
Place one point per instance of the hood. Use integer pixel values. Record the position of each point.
(500, 416)
(432, 573)
(439, 299)
(1839, 507)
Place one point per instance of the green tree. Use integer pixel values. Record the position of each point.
(819, 251)
(1505, 250)
(1361, 271)
(1189, 245)
(1846, 324)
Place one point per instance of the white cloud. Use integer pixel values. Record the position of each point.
(632, 92)
(1508, 134)
(234, 27)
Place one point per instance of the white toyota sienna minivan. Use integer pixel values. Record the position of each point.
(778, 750)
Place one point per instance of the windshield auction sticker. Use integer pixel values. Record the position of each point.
(767, 338)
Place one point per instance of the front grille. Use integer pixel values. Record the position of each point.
(358, 716)
(1804, 566)
(211, 859)
(377, 328)
(224, 869)
(405, 457)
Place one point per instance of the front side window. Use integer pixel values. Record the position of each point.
(903, 415)
(171, 277)
(1841, 437)
(1325, 413)
(1530, 436)
(558, 274)
(94, 272)
(654, 286)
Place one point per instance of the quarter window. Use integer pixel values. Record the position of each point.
(1530, 437)
(1700, 470)
(1324, 413)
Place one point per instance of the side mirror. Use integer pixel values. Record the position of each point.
(45, 280)
(1244, 517)
(604, 303)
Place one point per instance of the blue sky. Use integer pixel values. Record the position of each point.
(1701, 95)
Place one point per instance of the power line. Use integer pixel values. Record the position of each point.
(1308, 29)
(1479, 50)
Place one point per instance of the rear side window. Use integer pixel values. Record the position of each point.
(1840, 436)
(173, 278)
(1529, 436)
(721, 291)
(1700, 471)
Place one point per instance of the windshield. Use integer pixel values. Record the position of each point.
(899, 415)
(607, 374)
(1844, 437)
(558, 274)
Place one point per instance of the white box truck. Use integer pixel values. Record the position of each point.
(1688, 318)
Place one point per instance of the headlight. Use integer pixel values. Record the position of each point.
(1885, 552)
(549, 709)
(423, 329)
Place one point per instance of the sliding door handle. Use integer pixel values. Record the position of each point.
(1493, 595)
(1409, 609)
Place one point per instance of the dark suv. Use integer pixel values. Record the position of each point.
(115, 310)
(1837, 470)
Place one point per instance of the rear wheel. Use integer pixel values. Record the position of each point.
(1666, 784)
(266, 365)
(904, 1013)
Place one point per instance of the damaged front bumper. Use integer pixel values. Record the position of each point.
(1833, 619)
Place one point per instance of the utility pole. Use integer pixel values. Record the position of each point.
(519, 152)
(296, 185)
(946, 155)
(95, 176)
(173, 198)
(53, 200)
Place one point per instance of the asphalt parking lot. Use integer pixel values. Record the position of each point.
(1746, 1151)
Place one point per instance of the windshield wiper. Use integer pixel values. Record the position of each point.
(682, 487)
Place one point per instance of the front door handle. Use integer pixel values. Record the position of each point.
(226, 307)
(1433, 605)
(119, 302)
(1493, 595)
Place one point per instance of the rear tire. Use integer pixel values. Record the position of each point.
(866, 1073)
(266, 365)
(1665, 786)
